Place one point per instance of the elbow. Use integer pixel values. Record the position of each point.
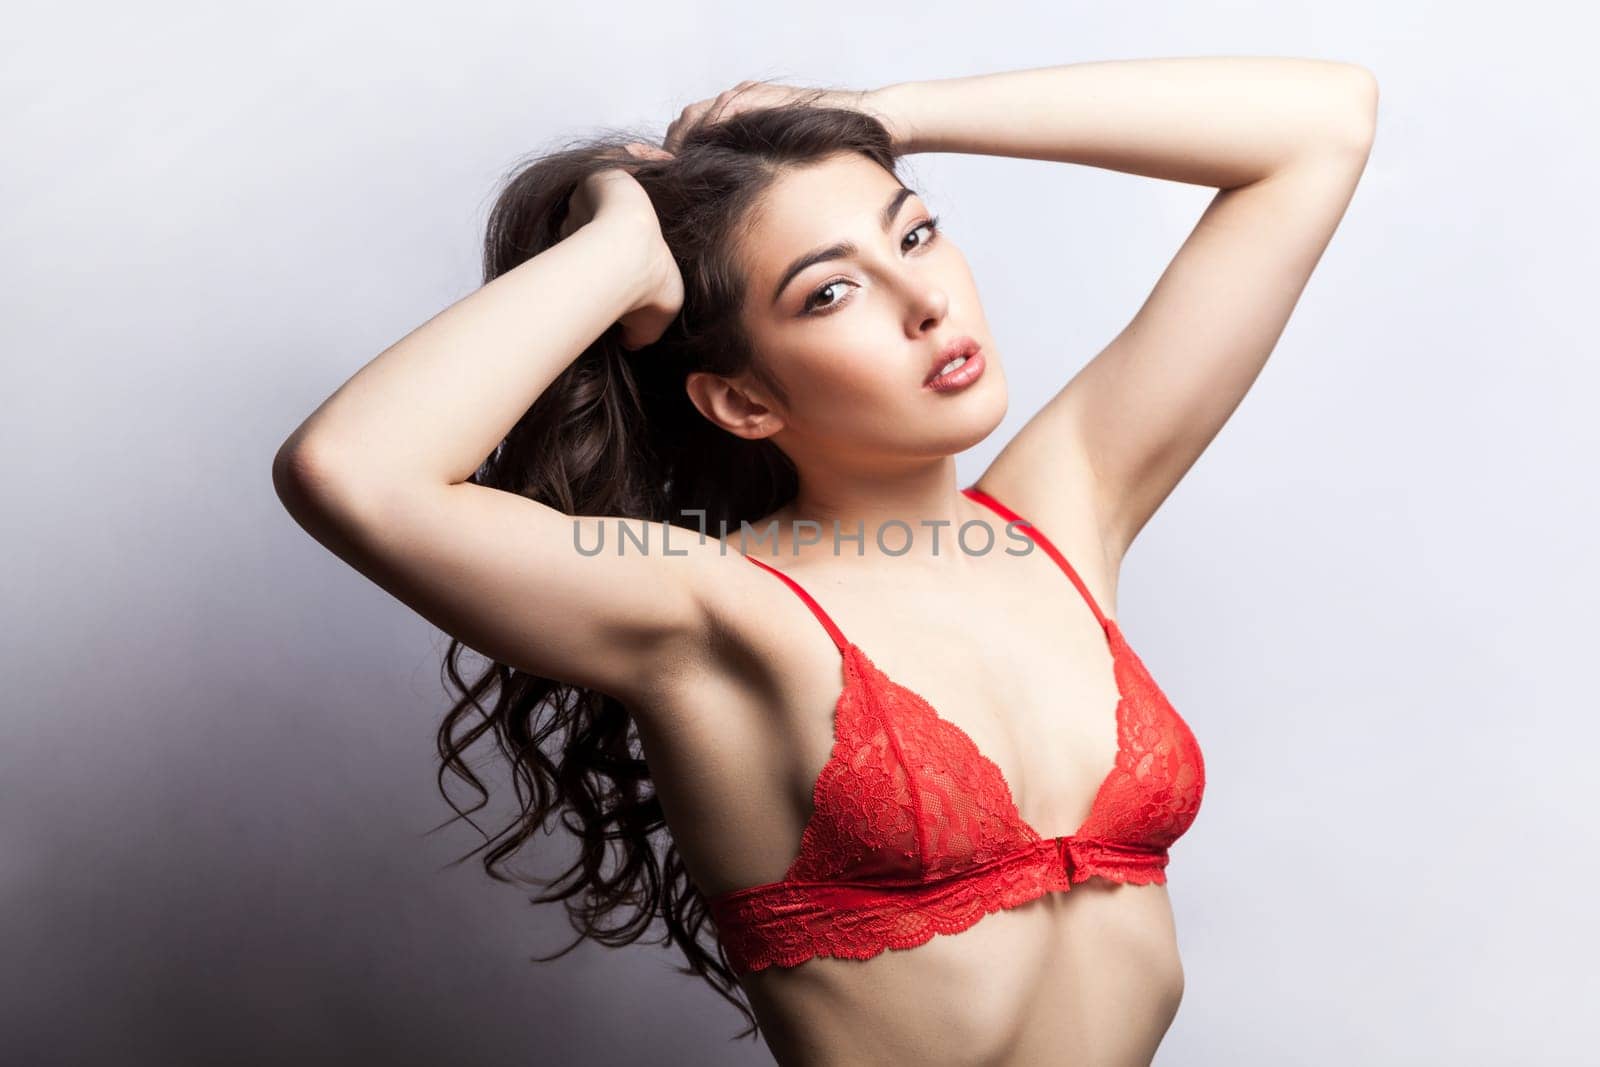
(1360, 110)
(322, 501)
(329, 497)
(294, 479)
(306, 483)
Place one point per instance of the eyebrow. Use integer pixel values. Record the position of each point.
(842, 248)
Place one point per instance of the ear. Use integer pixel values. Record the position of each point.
(738, 407)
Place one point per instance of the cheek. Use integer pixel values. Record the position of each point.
(849, 375)
(855, 397)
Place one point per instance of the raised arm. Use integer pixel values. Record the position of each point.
(378, 473)
(1283, 140)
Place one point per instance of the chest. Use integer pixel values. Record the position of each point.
(1018, 665)
(1013, 656)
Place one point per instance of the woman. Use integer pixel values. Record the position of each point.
(956, 856)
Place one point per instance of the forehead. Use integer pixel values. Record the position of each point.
(838, 199)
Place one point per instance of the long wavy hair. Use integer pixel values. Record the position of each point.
(615, 434)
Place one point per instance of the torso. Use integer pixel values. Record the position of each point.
(1090, 976)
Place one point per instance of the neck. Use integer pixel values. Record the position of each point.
(906, 515)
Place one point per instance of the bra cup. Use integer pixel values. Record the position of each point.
(1153, 795)
(905, 796)
(863, 825)
(914, 832)
(964, 806)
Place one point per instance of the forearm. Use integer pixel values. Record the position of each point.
(1219, 121)
(432, 406)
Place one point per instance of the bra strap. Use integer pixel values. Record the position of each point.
(974, 493)
(816, 609)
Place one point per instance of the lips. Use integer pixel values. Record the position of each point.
(960, 346)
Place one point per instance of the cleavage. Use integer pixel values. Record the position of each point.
(1038, 698)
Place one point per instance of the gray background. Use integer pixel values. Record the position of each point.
(1370, 598)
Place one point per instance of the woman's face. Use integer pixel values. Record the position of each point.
(853, 338)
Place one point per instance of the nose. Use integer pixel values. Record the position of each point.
(929, 306)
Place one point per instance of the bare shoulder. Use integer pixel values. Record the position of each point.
(729, 727)
(746, 636)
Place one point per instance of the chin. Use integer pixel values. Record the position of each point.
(982, 406)
(967, 424)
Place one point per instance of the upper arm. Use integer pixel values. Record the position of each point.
(1136, 417)
(504, 575)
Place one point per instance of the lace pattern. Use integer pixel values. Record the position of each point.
(915, 832)
(1153, 793)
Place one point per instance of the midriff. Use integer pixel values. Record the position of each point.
(1087, 977)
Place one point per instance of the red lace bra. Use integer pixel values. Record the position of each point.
(914, 832)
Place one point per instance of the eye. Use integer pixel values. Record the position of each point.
(812, 307)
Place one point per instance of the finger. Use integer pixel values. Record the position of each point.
(692, 116)
(711, 109)
(673, 138)
(728, 110)
(676, 130)
(729, 104)
(642, 150)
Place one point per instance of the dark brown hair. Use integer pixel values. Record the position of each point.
(616, 434)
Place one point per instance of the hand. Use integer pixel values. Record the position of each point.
(614, 196)
(613, 190)
(753, 94)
